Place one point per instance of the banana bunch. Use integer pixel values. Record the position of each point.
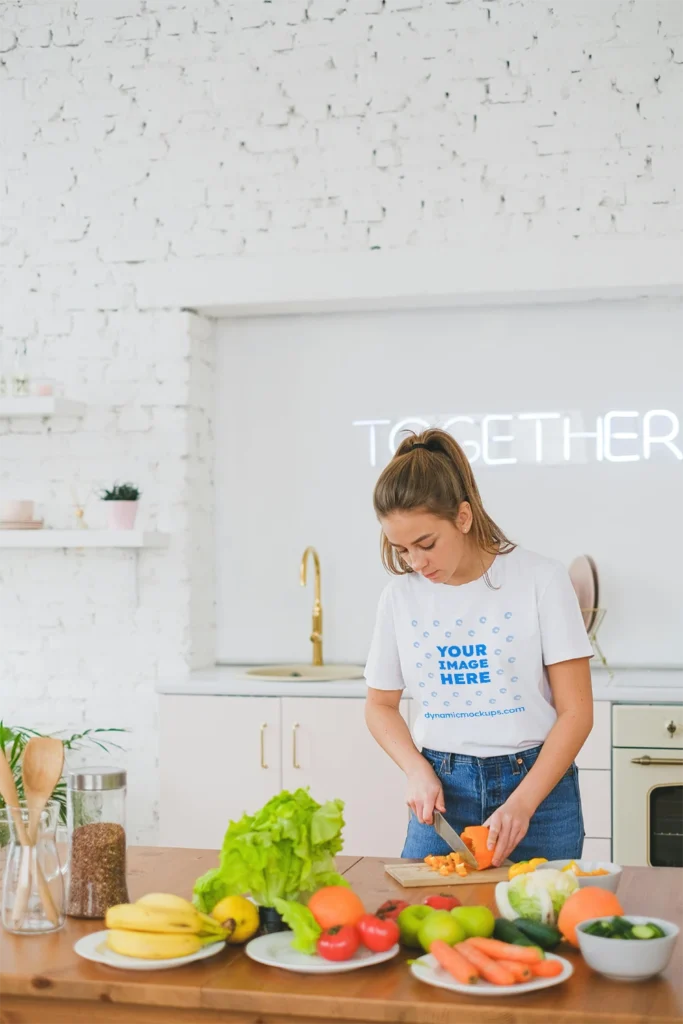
(160, 926)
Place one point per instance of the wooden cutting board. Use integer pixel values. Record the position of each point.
(410, 876)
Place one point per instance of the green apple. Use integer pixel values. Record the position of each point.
(477, 921)
(409, 921)
(440, 925)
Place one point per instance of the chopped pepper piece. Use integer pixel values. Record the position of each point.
(525, 867)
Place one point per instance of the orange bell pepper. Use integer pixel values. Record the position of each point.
(475, 838)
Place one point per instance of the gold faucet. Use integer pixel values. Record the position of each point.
(317, 627)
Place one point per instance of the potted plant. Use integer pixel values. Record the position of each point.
(124, 506)
(13, 740)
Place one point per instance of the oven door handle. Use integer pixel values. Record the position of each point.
(646, 759)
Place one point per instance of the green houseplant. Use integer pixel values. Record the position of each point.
(122, 505)
(13, 740)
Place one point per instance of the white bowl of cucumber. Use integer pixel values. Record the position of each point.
(629, 948)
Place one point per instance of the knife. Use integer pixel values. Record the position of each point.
(453, 840)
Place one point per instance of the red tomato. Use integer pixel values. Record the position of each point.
(391, 909)
(339, 943)
(377, 933)
(441, 902)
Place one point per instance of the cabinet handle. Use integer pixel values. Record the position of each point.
(264, 726)
(646, 759)
(671, 728)
(295, 762)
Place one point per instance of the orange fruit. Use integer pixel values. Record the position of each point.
(335, 904)
(584, 904)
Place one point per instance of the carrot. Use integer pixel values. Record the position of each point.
(546, 969)
(520, 972)
(490, 970)
(452, 961)
(506, 951)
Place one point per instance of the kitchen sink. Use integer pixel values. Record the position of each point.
(305, 673)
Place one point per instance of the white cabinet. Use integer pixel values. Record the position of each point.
(327, 746)
(597, 750)
(596, 799)
(220, 757)
(595, 782)
(597, 849)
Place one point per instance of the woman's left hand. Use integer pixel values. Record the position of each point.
(507, 827)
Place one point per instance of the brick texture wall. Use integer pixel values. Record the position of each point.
(153, 130)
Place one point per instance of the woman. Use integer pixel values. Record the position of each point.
(490, 642)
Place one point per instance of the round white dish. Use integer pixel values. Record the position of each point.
(276, 951)
(93, 947)
(583, 574)
(426, 969)
(609, 882)
(632, 959)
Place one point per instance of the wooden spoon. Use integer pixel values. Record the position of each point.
(9, 794)
(11, 798)
(42, 766)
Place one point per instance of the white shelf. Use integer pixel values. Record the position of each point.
(82, 539)
(412, 278)
(39, 407)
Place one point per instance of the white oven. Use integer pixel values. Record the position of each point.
(647, 784)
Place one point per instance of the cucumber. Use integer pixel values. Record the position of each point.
(505, 931)
(621, 926)
(644, 931)
(599, 928)
(543, 935)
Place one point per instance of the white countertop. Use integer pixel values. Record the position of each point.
(629, 685)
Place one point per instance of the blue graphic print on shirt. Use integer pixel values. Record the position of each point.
(464, 664)
(458, 664)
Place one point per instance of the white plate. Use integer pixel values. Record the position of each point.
(276, 951)
(426, 969)
(584, 577)
(93, 947)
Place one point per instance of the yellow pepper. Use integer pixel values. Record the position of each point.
(525, 867)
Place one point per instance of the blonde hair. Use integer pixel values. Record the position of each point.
(430, 471)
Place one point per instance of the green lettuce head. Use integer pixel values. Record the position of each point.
(282, 852)
(540, 895)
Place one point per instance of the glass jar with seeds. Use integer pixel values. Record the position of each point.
(96, 814)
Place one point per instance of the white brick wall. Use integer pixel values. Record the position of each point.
(84, 635)
(154, 130)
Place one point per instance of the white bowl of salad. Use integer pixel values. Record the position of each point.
(600, 874)
(629, 948)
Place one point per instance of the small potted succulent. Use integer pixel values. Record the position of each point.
(123, 506)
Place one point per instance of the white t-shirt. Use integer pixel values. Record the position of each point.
(473, 658)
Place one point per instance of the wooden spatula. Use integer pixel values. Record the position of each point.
(41, 767)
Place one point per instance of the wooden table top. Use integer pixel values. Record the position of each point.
(42, 981)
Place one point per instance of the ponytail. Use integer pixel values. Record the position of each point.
(430, 471)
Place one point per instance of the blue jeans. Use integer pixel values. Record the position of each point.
(474, 787)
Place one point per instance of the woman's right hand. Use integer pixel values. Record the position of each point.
(425, 793)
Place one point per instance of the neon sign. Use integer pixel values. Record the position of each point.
(551, 438)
